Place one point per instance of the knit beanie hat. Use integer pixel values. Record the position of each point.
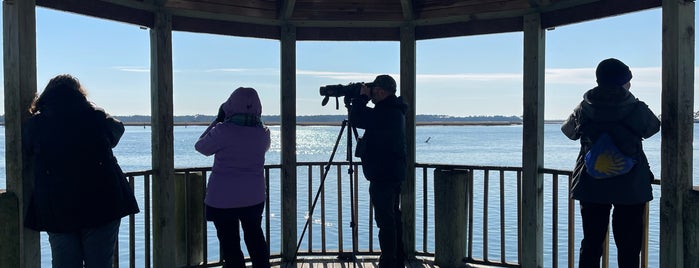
(613, 72)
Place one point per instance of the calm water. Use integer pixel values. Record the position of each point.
(470, 145)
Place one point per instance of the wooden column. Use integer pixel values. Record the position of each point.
(164, 250)
(407, 91)
(19, 54)
(189, 215)
(450, 190)
(532, 214)
(9, 215)
(677, 131)
(691, 243)
(288, 141)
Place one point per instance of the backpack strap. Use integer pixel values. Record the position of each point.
(591, 130)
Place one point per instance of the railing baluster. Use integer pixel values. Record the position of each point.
(470, 214)
(132, 230)
(571, 229)
(424, 209)
(555, 221)
(339, 209)
(187, 193)
(205, 250)
(426, 235)
(146, 193)
(485, 214)
(355, 213)
(322, 213)
(310, 206)
(519, 216)
(503, 258)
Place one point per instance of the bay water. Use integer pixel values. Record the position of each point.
(462, 145)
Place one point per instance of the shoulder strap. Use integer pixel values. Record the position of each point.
(586, 122)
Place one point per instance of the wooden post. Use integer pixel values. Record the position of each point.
(407, 91)
(450, 210)
(10, 245)
(288, 142)
(19, 54)
(692, 229)
(532, 239)
(162, 142)
(189, 216)
(677, 131)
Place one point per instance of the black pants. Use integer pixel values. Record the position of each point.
(386, 200)
(627, 223)
(227, 222)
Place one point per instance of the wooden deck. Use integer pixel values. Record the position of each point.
(370, 262)
(362, 262)
(359, 262)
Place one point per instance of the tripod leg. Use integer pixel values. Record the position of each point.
(320, 188)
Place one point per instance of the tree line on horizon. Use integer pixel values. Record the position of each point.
(325, 118)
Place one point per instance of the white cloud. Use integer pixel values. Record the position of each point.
(228, 70)
(136, 69)
(342, 76)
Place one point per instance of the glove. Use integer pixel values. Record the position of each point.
(221, 114)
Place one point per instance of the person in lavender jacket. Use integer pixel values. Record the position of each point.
(235, 194)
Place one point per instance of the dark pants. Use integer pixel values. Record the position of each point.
(227, 222)
(89, 247)
(386, 200)
(627, 223)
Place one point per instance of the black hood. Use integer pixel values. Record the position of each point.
(608, 103)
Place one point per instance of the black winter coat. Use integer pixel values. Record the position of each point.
(628, 121)
(77, 180)
(385, 156)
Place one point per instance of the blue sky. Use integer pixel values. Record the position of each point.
(475, 75)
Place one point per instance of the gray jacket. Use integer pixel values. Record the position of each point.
(628, 121)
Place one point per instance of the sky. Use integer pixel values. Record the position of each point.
(464, 76)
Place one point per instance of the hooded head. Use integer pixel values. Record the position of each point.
(243, 100)
(613, 72)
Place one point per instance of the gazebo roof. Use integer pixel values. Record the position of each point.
(350, 19)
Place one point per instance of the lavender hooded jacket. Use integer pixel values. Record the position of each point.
(237, 177)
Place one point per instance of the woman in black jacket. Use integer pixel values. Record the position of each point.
(80, 192)
(610, 108)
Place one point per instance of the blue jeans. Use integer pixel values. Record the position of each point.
(89, 247)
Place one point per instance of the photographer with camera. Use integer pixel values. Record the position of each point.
(383, 153)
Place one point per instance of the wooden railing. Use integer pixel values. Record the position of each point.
(493, 196)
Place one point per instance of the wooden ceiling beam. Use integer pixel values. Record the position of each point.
(230, 28)
(233, 8)
(408, 10)
(287, 9)
(140, 15)
(594, 10)
(364, 19)
(467, 28)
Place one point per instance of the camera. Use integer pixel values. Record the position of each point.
(350, 90)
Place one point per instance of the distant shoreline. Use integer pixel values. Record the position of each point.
(432, 123)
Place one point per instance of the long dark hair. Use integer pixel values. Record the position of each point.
(62, 94)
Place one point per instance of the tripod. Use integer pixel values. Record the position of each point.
(351, 132)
